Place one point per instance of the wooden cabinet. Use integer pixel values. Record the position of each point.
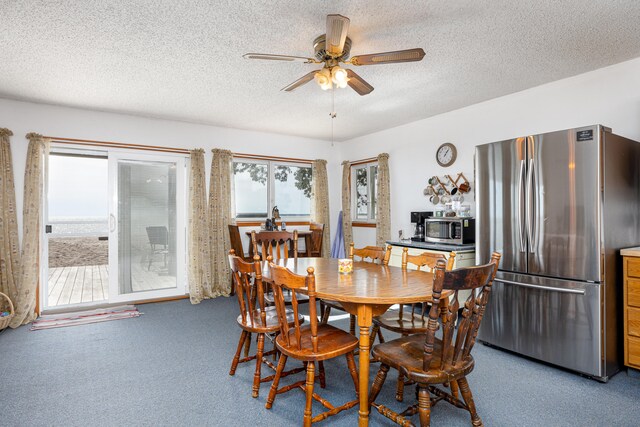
(631, 306)
(465, 258)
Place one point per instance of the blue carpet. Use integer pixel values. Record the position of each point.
(170, 367)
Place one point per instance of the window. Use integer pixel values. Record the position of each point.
(259, 185)
(364, 185)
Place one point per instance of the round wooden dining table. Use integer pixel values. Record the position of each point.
(367, 292)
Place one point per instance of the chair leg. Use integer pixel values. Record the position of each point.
(274, 385)
(380, 337)
(325, 315)
(351, 363)
(236, 358)
(374, 331)
(256, 375)
(400, 387)
(352, 324)
(247, 345)
(454, 389)
(323, 383)
(378, 382)
(424, 406)
(309, 391)
(468, 399)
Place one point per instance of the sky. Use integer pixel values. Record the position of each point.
(78, 187)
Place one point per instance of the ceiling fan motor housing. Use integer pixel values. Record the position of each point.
(319, 46)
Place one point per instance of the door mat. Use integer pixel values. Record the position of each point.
(50, 321)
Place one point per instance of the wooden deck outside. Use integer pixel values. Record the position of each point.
(75, 285)
(90, 283)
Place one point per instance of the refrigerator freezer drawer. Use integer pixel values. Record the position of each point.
(558, 324)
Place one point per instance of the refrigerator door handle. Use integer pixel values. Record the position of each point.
(520, 223)
(530, 201)
(546, 288)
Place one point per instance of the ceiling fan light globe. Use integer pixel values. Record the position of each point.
(339, 75)
(342, 84)
(321, 79)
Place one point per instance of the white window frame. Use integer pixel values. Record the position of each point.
(371, 210)
(271, 164)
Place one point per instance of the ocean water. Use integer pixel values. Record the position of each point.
(79, 226)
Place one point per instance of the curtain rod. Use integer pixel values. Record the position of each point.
(261, 157)
(93, 143)
(359, 162)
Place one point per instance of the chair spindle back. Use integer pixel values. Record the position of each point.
(282, 278)
(236, 240)
(457, 344)
(276, 244)
(317, 231)
(376, 254)
(427, 260)
(247, 278)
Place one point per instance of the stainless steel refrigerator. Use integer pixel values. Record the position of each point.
(558, 207)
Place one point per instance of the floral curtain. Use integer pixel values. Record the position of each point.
(383, 204)
(346, 205)
(199, 253)
(9, 246)
(320, 202)
(219, 219)
(25, 303)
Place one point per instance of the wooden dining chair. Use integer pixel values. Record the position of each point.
(255, 317)
(409, 318)
(317, 231)
(277, 244)
(236, 243)
(375, 254)
(430, 361)
(311, 344)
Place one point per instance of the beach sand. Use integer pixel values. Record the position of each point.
(77, 251)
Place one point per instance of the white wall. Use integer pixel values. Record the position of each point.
(608, 96)
(24, 117)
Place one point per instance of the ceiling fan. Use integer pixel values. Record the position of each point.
(333, 48)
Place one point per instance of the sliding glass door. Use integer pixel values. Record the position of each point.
(147, 242)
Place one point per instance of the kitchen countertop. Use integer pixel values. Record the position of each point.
(631, 251)
(440, 246)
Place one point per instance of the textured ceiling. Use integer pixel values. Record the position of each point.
(182, 59)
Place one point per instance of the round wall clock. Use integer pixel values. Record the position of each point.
(446, 154)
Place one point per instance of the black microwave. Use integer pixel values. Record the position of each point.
(457, 231)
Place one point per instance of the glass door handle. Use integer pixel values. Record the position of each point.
(112, 223)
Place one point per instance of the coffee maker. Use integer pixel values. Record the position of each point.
(418, 218)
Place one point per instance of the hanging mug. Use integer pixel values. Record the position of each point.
(435, 199)
(464, 187)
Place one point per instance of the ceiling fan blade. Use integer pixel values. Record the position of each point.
(337, 28)
(358, 84)
(271, 57)
(408, 55)
(301, 81)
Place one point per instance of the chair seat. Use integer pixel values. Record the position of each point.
(271, 321)
(411, 323)
(332, 342)
(301, 298)
(405, 354)
(333, 304)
